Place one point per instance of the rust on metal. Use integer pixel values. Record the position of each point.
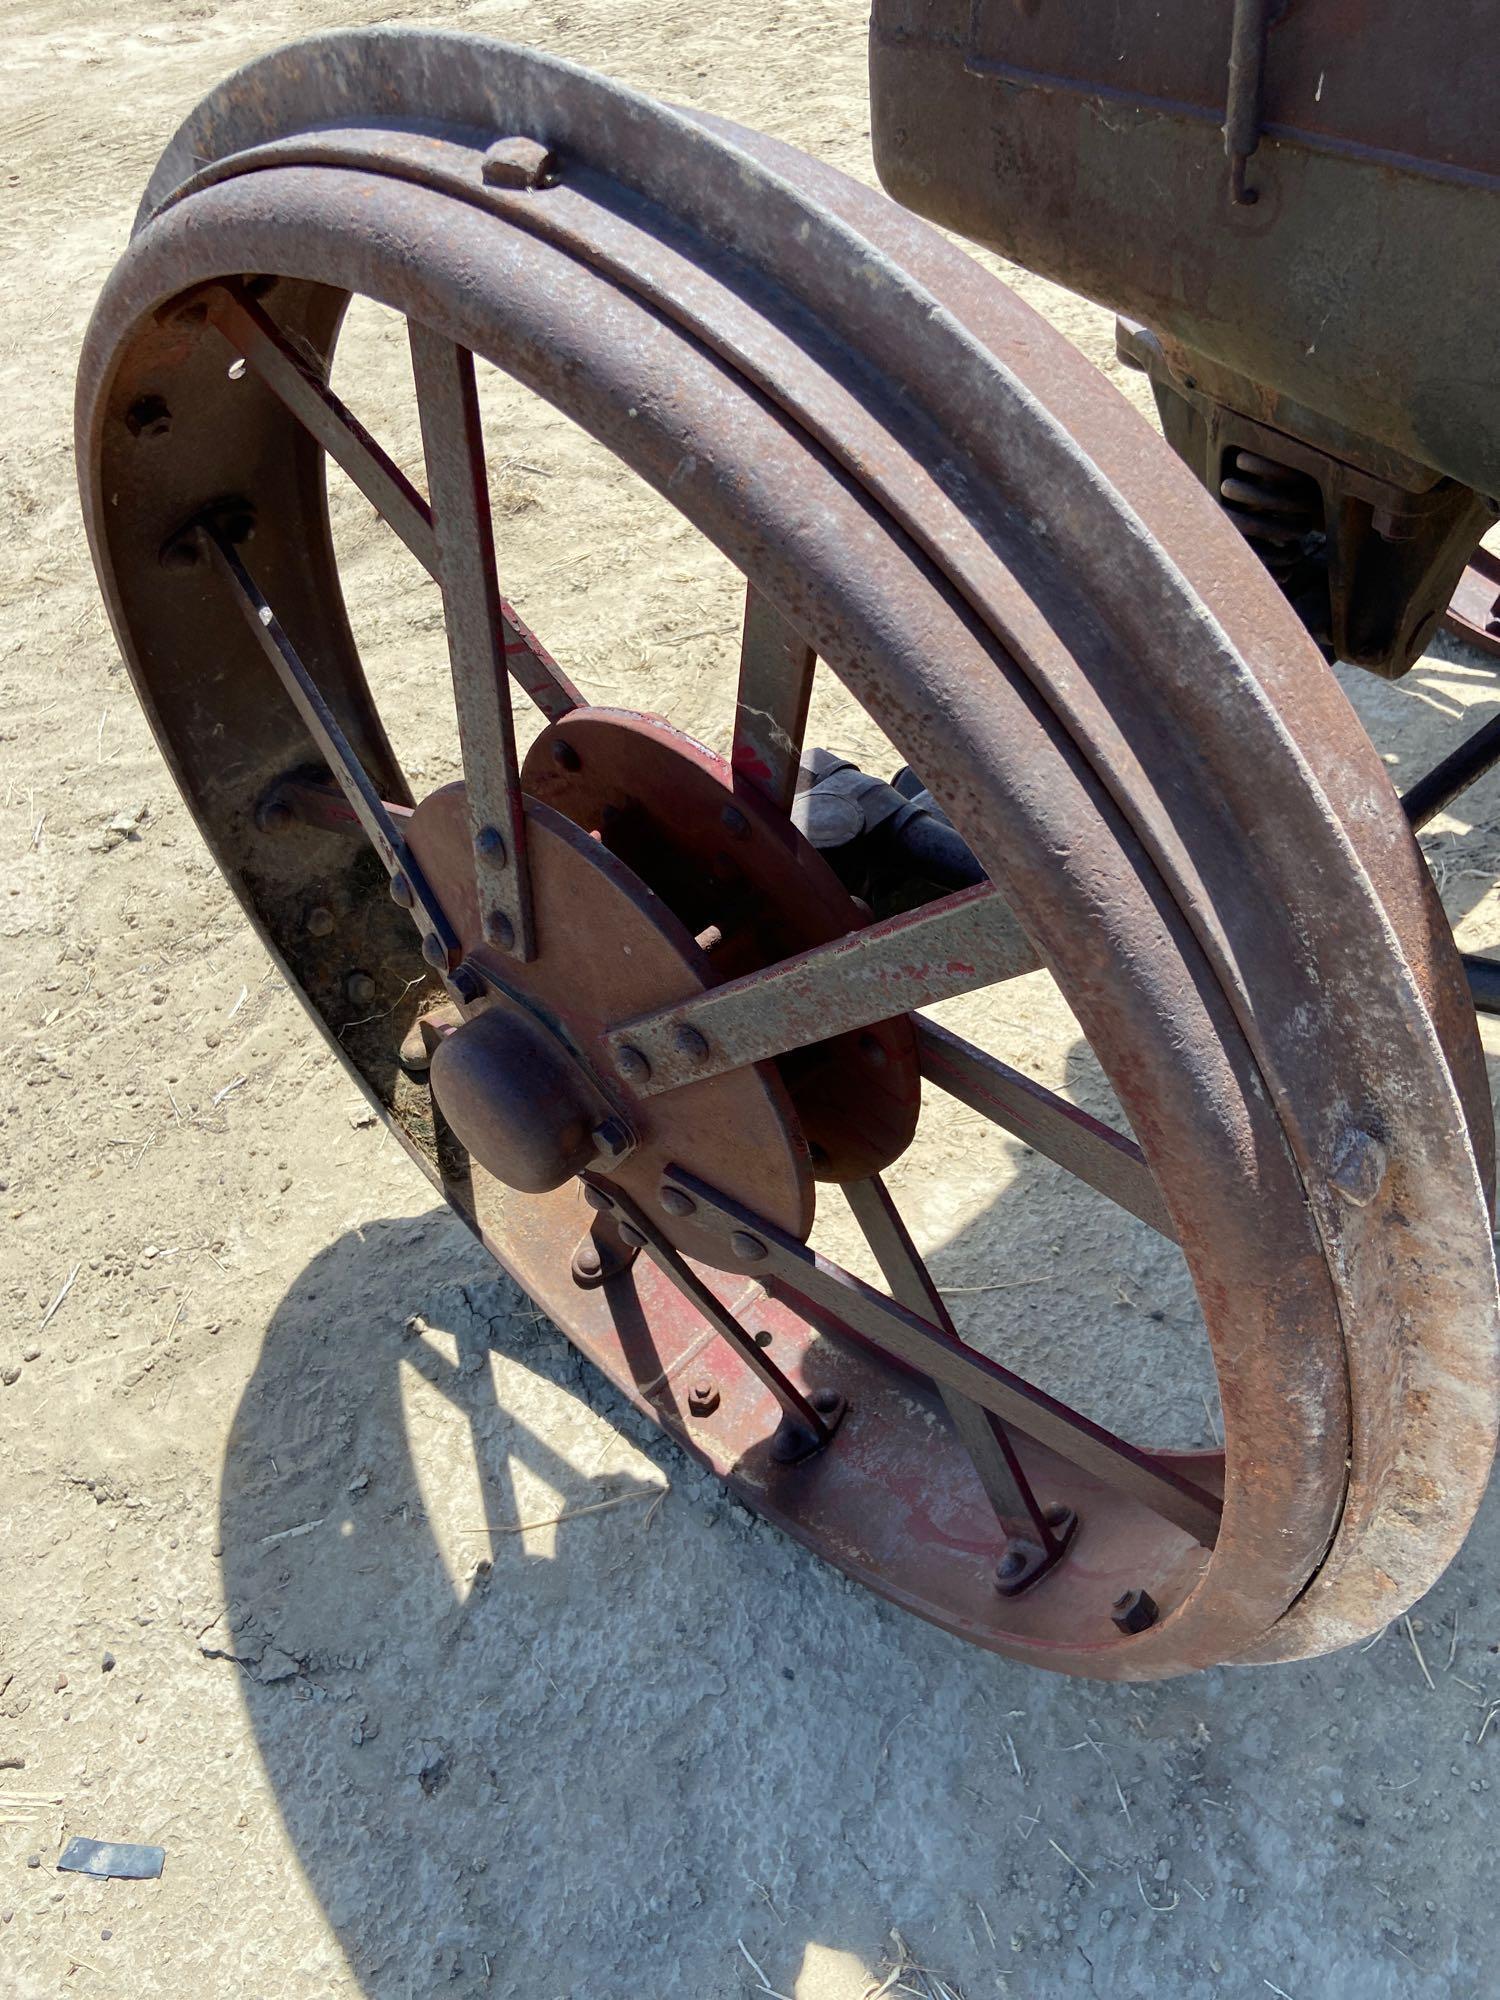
(1108, 696)
(964, 941)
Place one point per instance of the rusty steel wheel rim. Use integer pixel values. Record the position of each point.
(924, 485)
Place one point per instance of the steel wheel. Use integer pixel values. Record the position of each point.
(932, 495)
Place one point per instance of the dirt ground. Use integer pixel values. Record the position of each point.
(258, 1395)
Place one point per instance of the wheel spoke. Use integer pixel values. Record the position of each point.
(981, 1432)
(770, 712)
(939, 1354)
(1436, 789)
(254, 336)
(440, 944)
(949, 947)
(797, 1407)
(1089, 1149)
(453, 444)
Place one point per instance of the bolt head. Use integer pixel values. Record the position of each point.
(675, 1202)
(1010, 1564)
(402, 893)
(319, 921)
(735, 822)
(518, 163)
(273, 815)
(464, 984)
(827, 1402)
(433, 952)
(586, 1260)
(564, 756)
(612, 1138)
(1134, 1611)
(148, 417)
(631, 1235)
(598, 1199)
(632, 1065)
(749, 1249)
(690, 1043)
(499, 929)
(360, 989)
(703, 1399)
(873, 1050)
(1359, 1168)
(489, 842)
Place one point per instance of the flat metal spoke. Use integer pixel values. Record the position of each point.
(770, 710)
(254, 336)
(1089, 1149)
(440, 942)
(911, 1284)
(453, 443)
(939, 1354)
(949, 947)
(640, 1232)
(256, 339)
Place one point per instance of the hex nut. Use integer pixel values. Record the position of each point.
(1135, 1611)
(360, 989)
(613, 1139)
(319, 921)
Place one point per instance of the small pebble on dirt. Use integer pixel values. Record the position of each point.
(33, 1861)
(59, 1684)
(31, 1353)
(105, 1936)
(107, 1664)
(10, 1373)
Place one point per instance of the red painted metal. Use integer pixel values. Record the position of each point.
(719, 855)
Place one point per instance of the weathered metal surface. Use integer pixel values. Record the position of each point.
(613, 943)
(209, 544)
(770, 711)
(1368, 547)
(1474, 614)
(516, 1100)
(976, 546)
(966, 940)
(741, 875)
(1032, 1541)
(1088, 143)
(463, 534)
(940, 1355)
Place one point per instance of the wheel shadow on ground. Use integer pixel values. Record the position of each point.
(645, 1738)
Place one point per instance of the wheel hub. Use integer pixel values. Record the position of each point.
(526, 1082)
